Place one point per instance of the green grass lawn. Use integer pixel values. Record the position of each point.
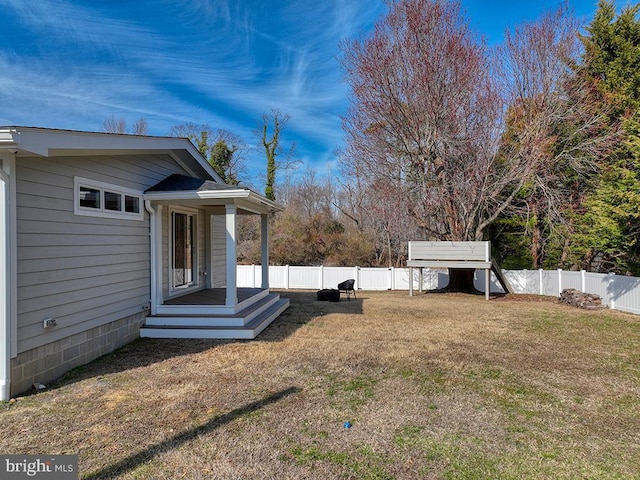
(435, 386)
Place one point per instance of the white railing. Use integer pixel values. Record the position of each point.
(616, 291)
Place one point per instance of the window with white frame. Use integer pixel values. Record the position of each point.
(183, 249)
(98, 199)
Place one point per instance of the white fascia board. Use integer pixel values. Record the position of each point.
(44, 142)
(8, 139)
(246, 198)
(265, 201)
(191, 195)
(224, 194)
(6, 135)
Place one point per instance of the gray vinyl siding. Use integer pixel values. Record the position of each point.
(83, 271)
(219, 252)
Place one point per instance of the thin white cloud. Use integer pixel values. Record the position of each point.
(220, 62)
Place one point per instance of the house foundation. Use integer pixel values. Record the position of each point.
(51, 361)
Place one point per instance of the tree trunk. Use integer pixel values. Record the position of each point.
(461, 280)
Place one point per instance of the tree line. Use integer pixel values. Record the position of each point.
(533, 144)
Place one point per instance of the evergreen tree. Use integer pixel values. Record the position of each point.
(611, 225)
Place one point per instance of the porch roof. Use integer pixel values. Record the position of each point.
(182, 189)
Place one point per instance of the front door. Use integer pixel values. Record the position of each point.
(183, 252)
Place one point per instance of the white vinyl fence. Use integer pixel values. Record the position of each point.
(616, 291)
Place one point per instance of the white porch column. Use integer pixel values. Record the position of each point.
(232, 281)
(264, 237)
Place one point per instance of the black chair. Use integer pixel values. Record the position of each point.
(347, 287)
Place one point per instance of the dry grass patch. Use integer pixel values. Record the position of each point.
(435, 386)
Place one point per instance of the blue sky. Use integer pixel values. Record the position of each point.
(73, 64)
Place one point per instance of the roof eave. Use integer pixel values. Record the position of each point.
(195, 195)
(265, 201)
(243, 195)
(46, 142)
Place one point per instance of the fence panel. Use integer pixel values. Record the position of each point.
(525, 281)
(400, 279)
(549, 283)
(519, 279)
(494, 285)
(332, 276)
(371, 278)
(279, 276)
(305, 277)
(245, 276)
(569, 279)
(617, 291)
(624, 293)
(432, 278)
(596, 283)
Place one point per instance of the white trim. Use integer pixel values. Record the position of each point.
(5, 282)
(12, 262)
(250, 200)
(195, 282)
(8, 273)
(154, 251)
(101, 211)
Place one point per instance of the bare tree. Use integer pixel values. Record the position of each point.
(119, 125)
(427, 116)
(140, 127)
(114, 125)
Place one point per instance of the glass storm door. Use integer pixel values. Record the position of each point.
(183, 249)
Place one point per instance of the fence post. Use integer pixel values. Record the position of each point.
(612, 301)
(321, 273)
(583, 280)
(540, 271)
(410, 281)
(391, 274)
(357, 277)
(286, 277)
(559, 281)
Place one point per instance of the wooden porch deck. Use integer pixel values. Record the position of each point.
(212, 296)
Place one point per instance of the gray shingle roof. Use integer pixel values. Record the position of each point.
(180, 183)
